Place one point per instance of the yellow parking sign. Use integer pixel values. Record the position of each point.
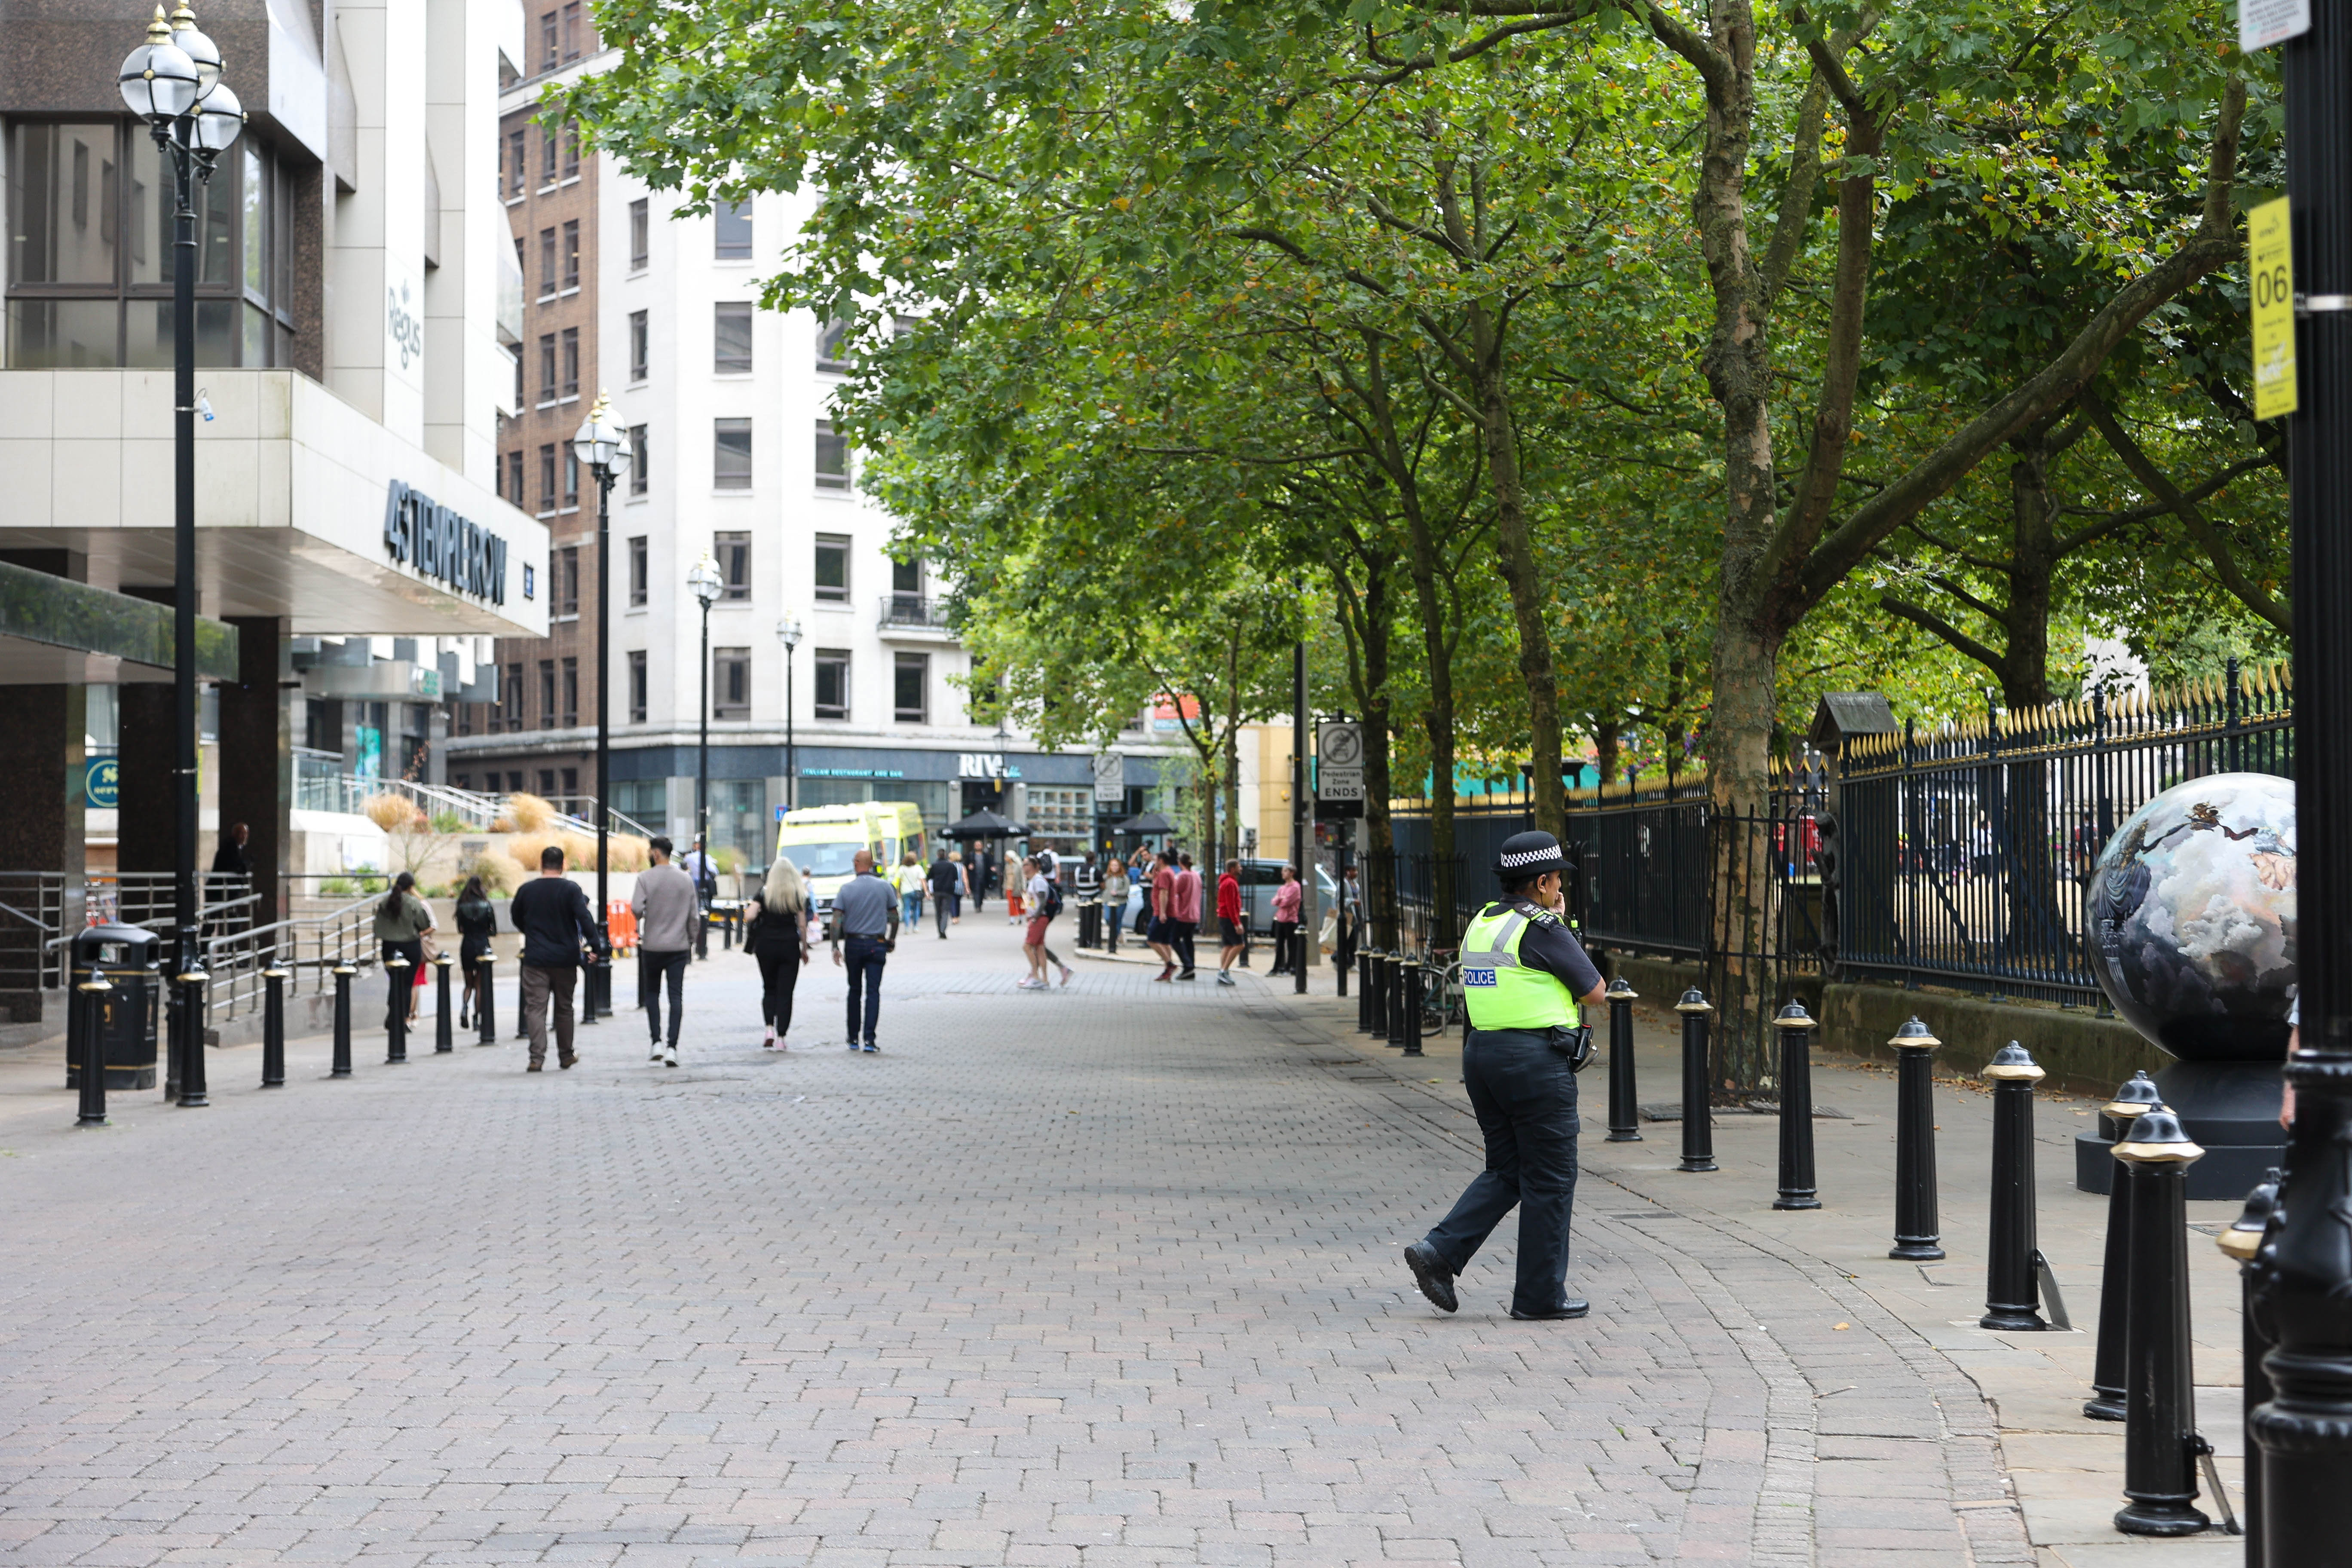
(2272, 273)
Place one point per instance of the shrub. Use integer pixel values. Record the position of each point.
(492, 870)
(389, 811)
(529, 814)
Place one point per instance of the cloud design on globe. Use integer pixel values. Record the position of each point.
(2192, 917)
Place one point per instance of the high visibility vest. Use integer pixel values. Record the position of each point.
(1501, 992)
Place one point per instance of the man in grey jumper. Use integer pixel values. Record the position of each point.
(664, 904)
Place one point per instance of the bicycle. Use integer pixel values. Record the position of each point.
(1441, 1004)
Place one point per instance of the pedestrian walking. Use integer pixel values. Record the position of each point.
(976, 877)
(866, 924)
(1188, 912)
(910, 881)
(1115, 889)
(477, 922)
(1160, 901)
(1016, 889)
(1229, 921)
(1287, 901)
(777, 939)
(552, 913)
(402, 920)
(1524, 978)
(665, 903)
(699, 866)
(945, 878)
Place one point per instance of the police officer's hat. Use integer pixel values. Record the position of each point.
(1528, 855)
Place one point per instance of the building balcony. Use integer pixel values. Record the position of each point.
(916, 617)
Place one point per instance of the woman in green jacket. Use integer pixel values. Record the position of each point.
(401, 922)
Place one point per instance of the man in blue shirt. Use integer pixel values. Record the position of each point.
(866, 922)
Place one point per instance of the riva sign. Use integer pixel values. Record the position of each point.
(421, 533)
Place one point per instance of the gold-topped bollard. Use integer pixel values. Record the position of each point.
(1917, 1228)
(2106, 1402)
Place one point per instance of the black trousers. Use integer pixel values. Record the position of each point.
(1526, 1100)
(780, 973)
(864, 956)
(1179, 937)
(653, 969)
(401, 983)
(1286, 946)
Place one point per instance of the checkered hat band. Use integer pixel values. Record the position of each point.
(1531, 857)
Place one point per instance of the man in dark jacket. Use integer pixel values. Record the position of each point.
(551, 914)
(945, 878)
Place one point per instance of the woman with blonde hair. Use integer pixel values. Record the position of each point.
(778, 938)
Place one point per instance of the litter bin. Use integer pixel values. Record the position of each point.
(134, 961)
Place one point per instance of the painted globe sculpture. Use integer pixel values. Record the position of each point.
(2192, 912)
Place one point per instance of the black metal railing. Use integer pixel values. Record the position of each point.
(903, 610)
(1961, 857)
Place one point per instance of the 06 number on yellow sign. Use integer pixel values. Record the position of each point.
(2272, 273)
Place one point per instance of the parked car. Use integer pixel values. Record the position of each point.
(1261, 878)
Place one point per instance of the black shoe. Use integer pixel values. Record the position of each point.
(1572, 1307)
(1429, 1272)
(1188, 974)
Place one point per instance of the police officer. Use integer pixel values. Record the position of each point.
(1523, 977)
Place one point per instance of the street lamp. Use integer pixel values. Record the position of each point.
(788, 631)
(706, 585)
(173, 82)
(605, 447)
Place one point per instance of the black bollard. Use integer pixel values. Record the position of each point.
(444, 1022)
(1698, 1114)
(1364, 992)
(1799, 1189)
(1417, 999)
(598, 964)
(1916, 1228)
(2106, 1401)
(396, 990)
(90, 997)
(343, 1067)
(1376, 991)
(273, 1027)
(2241, 1241)
(2161, 1441)
(485, 1009)
(1404, 1028)
(2012, 1291)
(1624, 1114)
(192, 1017)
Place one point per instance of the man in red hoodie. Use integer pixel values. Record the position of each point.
(1229, 921)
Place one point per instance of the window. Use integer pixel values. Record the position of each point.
(731, 340)
(734, 553)
(571, 784)
(637, 684)
(730, 455)
(570, 478)
(547, 783)
(547, 381)
(832, 457)
(547, 477)
(833, 683)
(641, 348)
(550, 150)
(833, 568)
(639, 454)
(547, 264)
(548, 60)
(519, 387)
(546, 704)
(514, 779)
(732, 224)
(571, 362)
(829, 336)
(514, 478)
(638, 570)
(571, 254)
(510, 707)
(567, 581)
(641, 234)
(518, 161)
(731, 683)
(906, 580)
(911, 679)
(572, 30)
(571, 149)
(570, 700)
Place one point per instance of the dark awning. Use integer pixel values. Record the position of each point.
(1148, 823)
(985, 824)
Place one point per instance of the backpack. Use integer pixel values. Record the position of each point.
(1053, 898)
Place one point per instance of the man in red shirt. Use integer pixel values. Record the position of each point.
(1229, 921)
(1188, 912)
(1160, 934)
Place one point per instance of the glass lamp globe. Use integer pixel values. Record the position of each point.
(705, 582)
(600, 443)
(219, 119)
(198, 48)
(159, 82)
(788, 631)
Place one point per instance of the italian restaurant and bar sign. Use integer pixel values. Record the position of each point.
(420, 532)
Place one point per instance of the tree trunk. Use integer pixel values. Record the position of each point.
(1605, 734)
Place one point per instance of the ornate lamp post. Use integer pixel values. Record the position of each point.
(173, 81)
(788, 631)
(604, 447)
(706, 585)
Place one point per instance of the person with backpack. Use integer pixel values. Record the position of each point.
(1044, 903)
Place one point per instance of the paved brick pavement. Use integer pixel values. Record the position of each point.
(1096, 1278)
